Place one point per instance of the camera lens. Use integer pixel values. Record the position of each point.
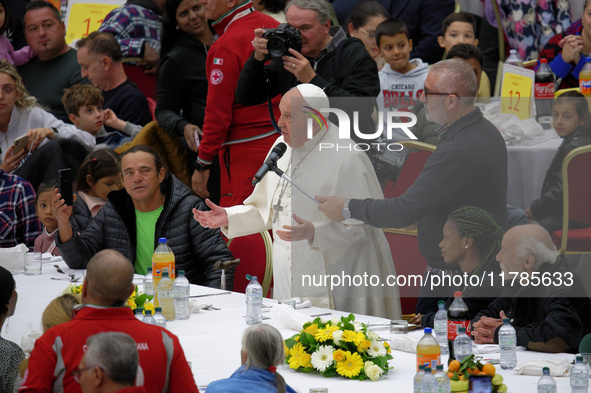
(277, 47)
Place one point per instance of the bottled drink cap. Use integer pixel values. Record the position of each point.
(439, 367)
(579, 359)
(513, 51)
(427, 369)
(421, 367)
(546, 371)
(164, 274)
(150, 269)
(440, 303)
(428, 330)
(158, 309)
(181, 272)
(544, 61)
(254, 278)
(588, 59)
(139, 309)
(162, 240)
(506, 320)
(461, 329)
(458, 294)
(148, 312)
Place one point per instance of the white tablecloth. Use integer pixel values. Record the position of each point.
(211, 340)
(526, 167)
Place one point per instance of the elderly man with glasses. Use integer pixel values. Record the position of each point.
(468, 168)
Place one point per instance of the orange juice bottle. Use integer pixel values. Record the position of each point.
(585, 78)
(163, 258)
(428, 350)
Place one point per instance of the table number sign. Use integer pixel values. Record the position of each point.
(84, 17)
(517, 91)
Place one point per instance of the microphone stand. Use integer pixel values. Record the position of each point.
(273, 167)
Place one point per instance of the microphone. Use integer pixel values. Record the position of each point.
(277, 152)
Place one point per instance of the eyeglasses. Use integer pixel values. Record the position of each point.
(371, 34)
(435, 93)
(78, 372)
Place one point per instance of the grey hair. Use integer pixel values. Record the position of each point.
(115, 353)
(263, 346)
(456, 76)
(320, 6)
(540, 250)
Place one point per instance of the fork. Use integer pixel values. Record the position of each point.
(210, 307)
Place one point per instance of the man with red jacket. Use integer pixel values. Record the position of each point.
(241, 135)
(107, 286)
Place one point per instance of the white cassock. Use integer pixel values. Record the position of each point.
(339, 250)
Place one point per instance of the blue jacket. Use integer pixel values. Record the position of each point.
(247, 380)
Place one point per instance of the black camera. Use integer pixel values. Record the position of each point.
(281, 39)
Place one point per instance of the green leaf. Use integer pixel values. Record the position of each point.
(290, 342)
(330, 372)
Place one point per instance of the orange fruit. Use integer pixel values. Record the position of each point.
(482, 373)
(473, 371)
(454, 366)
(489, 369)
(450, 375)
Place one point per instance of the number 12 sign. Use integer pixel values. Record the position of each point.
(85, 17)
(517, 91)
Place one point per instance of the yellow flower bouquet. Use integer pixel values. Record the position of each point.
(338, 347)
(135, 300)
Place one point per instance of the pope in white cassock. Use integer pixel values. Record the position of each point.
(309, 251)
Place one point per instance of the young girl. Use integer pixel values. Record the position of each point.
(97, 177)
(46, 241)
(571, 122)
(7, 52)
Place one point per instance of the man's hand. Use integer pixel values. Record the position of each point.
(571, 48)
(215, 218)
(332, 206)
(199, 183)
(260, 45)
(62, 213)
(150, 59)
(37, 135)
(416, 320)
(189, 132)
(111, 120)
(530, 216)
(484, 330)
(299, 66)
(303, 231)
(12, 160)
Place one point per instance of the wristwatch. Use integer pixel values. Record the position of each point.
(346, 213)
(201, 167)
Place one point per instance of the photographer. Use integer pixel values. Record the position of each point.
(328, 59)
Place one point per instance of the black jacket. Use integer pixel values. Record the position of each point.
(550, 202)
(196, 249)
(81, 216)
(354, 74)
(468, 168)
(547, 318)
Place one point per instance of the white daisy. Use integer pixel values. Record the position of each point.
(376, 349)
(337, 335)
(372, 336)
(322, 358)
(358, 326)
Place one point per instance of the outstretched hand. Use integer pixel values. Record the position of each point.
(303, 231)
(332, 207)
(215, 218)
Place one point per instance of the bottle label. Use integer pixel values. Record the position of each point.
(544, 90)
(452, 328)
(585, 86)
(432, 359)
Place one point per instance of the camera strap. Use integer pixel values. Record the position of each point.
(267, 73)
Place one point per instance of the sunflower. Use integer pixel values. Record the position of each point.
(351, 366)
(326, 333)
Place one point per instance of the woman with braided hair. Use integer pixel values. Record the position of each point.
(472, 239)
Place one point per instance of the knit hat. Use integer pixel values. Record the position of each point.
(6, 288)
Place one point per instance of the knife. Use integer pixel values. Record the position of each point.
(211, 294)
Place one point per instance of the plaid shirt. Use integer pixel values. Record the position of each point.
(133, 26)
(18, 221)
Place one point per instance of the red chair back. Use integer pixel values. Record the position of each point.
(253, 259)
(579, 189)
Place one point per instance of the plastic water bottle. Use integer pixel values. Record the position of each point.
(148, 318)
(417, 380)
(149, 283)
(163, 258)
(546, 383)
(428, 382)
(182, 290)
(166, 296)
(428, 350)
(440, 324)
(159, 318)
(514, 59)
(458, 316)
(443, 382)
(585, 78)
(254, 302)
(462, 344)
(579, 377)
(507, 344)
(139, 313)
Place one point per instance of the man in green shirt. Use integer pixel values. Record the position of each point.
(153, 204)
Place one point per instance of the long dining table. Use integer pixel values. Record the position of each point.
(211, 339)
